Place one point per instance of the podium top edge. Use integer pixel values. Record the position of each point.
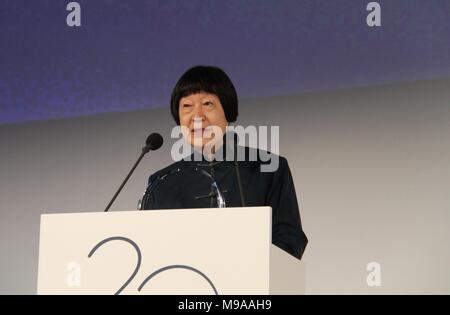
(122, 212)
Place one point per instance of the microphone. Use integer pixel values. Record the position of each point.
(153, 142)
(236, 167)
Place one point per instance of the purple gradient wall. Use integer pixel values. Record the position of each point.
(127, 55)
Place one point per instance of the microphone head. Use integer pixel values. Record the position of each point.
(154, 142)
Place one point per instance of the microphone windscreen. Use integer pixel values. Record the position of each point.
(154, 141)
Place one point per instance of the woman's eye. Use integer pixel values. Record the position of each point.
(208, 103)
(186, 105)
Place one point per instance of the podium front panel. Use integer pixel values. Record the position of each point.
(186, 251)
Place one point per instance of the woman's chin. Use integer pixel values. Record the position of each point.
(199, 143)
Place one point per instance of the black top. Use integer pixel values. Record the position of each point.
(188, 184)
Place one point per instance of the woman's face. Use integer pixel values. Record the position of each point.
(199, 111)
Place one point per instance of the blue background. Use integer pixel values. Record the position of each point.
(127, 55)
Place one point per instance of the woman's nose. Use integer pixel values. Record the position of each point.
(198, 114)
(197, 121)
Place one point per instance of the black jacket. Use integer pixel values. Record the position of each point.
(187, 184)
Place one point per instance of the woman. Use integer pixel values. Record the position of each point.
(204, 97)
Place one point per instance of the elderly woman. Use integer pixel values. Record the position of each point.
(204, 97)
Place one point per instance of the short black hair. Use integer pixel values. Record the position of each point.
(206, 79)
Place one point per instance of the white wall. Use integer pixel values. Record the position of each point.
(371, 168)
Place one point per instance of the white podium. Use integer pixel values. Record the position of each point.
(186, 251)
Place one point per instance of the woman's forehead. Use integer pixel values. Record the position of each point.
(198, 96)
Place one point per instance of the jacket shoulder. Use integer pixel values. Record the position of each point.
(267, 160)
